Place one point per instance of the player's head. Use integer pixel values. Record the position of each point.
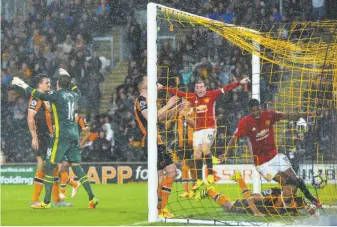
(63, 82)
(254, 108)
(200, 87)
(141, 82)
(42, 82)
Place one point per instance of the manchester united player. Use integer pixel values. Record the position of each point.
(258, 129)
(204, 102)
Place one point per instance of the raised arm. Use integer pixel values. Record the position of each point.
(291, 116)
(175, 91)
(294, 116)
(33, 92)
(230, 87)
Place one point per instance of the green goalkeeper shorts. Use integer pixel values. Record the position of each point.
(64, 149)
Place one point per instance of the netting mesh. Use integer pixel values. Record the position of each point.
(298, 72)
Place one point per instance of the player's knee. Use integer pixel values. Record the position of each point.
(171, 171)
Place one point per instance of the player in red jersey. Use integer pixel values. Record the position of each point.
(204, 103)
(258, 129)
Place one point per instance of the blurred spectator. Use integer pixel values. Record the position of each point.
(318, 9)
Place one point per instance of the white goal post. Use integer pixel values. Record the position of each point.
(152, 106)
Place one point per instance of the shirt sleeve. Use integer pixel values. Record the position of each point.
(241, 129)
(142, 103)
(51, 96)
(34, 104)
(224, 89)
(175, 91)
(276, 116)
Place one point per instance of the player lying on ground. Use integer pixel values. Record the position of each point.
(65, 143)
(269, 202)
(257, 128)
(203, 101)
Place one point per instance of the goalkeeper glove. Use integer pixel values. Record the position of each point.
(63, 72)
(20, 83)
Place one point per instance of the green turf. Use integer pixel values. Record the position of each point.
(118, 205)
(123, 205)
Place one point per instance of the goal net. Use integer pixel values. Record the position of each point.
(293, 68)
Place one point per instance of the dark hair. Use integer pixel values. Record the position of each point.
(253, 102)
(200, 80)
(138, 80)
(64, 81)
(35, 80)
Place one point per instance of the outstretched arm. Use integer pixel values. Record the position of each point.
(175, 91)
(231, 86)
(294, 116)
(230, 147)
(240, 131)
(291, 116)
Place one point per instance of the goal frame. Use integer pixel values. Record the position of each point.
(152, 111)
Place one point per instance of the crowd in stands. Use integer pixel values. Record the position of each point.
(60, 35)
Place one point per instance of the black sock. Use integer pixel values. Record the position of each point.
(48, 181)
(199, 165)
(209, 163)
(304, 189)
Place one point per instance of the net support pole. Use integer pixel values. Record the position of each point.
(256, 74)
(152, 111)
(256, 95)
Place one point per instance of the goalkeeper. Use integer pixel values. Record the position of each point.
(269, 202)
(65, 143)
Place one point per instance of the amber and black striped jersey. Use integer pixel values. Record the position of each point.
(272, 203)
(185, 131)
(43, 116)
(141, 105)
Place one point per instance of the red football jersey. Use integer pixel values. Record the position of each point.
(260, 135)
(204, 106)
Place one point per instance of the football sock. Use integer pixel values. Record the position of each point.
(209, 163)
(198, 165)
(84, 180)
(71, 182)
(160, 195)
(48, 181)
(64, 179)
(217, 197)
(304, 189)
(244, 188)
(56, 187)
(166, 190)
(38, 185)
(185, 178)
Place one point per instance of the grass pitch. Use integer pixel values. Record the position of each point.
(124, 204)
